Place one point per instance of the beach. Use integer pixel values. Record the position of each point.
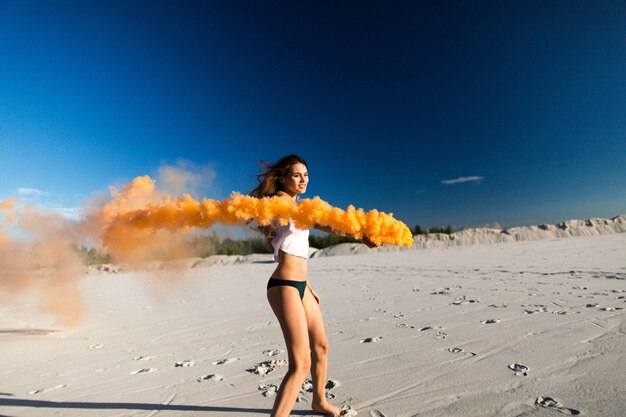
(525, 328)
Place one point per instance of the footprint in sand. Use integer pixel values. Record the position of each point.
(143, 358)
(272, 352)
(610, 309)
(463, 301)
(347, 412)
(42, 390)
(490, 321)
(536, 310)
(497, 305)
(307, 385)
(371, 339)
(441, 291)
(441, 334)
(144, 371)
(376, 413)
(211, 377)
(184, 364)
(269, 390)
(98, 346)
(520, 370)
(266, 367)
(459, 350)
(551, 403)
(224, 361)
(331, 384)
(405, 326)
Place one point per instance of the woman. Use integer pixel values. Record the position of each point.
(294, 302)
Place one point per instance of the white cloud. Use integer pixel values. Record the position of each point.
(70, 213)
(476, 179)
(30, 191)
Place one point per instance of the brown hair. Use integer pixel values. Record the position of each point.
(269, 184)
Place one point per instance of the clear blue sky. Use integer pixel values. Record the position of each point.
(387, 101)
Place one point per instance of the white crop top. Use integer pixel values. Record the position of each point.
(291, 240)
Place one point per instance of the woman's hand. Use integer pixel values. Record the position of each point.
(313, 293)
(366, 240)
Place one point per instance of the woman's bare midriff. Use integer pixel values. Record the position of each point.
(290, 267)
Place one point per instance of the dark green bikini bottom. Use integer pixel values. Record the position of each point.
(299, 285)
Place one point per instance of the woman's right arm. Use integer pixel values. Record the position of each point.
(268, 234)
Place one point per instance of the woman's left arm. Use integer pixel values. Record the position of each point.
(327, 229)
(366, 240)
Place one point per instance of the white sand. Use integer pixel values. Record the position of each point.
(435, 355)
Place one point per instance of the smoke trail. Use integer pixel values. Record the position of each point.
(130, 230)
(140, 222)
(37, 246)
(43, 261)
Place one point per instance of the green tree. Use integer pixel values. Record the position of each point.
(436, 229)
(92, 256)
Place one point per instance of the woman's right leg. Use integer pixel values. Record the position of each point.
(289, 311)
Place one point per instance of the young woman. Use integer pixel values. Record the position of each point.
(294, 302)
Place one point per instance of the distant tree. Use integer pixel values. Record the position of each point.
(92, 256)
(417, 230)
(234, 247)
(321, 242)
(205, 245)
(436, 229)
(260, 245)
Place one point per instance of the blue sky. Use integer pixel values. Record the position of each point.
(389, 102)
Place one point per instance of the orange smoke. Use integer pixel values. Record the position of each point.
(46, 264)
(5, 209)
(140, 222)
(129, 228)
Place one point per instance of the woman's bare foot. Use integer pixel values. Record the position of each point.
(326, 407)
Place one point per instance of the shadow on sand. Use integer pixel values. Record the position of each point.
(15, 402)
(29, 332)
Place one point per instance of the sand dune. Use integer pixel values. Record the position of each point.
(471, 236)
(487, 236)
(532, 328)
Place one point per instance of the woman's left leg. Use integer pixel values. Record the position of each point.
(319, 354)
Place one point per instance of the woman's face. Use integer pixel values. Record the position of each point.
(296, 181)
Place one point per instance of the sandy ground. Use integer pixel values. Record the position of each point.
(432, 332)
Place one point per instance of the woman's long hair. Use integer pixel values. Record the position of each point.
(268, 178)
(269, 183)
